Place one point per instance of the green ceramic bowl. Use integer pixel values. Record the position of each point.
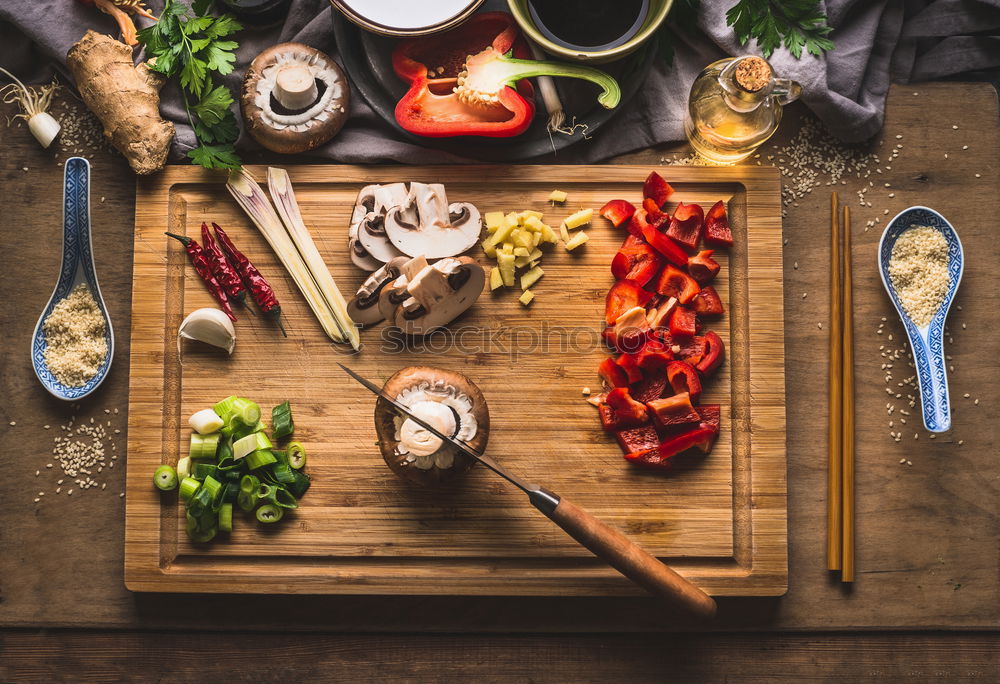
(654, 17)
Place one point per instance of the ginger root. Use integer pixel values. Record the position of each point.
(125, 97)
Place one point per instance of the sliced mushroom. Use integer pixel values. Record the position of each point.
(295, 98)
(439, 294)
(394, 293)
(426, 224)
(359, 255)
(447, 400)
(367, 241)
(363, 308)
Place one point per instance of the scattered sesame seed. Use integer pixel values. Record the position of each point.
(976, 402)
(954, 128)
(965, 147)
(795, 265)
(978, 175)
(819, 325)
(12, 423)
(961, 442)
(966, 395)
(902, 460)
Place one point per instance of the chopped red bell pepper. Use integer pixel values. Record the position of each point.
(620, 410)
(637, 439)
(649, 458)
(656, 189)
(654, 216)
(653, 355)
(686, 224)
(659, 316)
(715, 352)
(702, 267)
(624, 295)
(683, 322)
(630, 364)
(717, 232)
(674, 282)
(707, 302)
(636, 261)
(608, 335)
(673, 410)
(683, 377)
(701, 437)
(657, 240)
(618, 211)
(689, 349)
(652, 386)
(711, 416)
(612, 373)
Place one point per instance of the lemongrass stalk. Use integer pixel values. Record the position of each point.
(283, 197)
(251, 198)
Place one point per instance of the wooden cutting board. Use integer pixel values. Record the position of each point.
(719, 520)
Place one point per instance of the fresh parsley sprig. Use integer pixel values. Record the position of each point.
(799, 23)
(189, 43)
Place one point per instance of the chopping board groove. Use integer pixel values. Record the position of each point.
(719, 520)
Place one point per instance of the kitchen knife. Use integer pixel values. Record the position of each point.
(602, 540)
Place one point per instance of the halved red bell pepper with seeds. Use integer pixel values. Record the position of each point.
(683, 377)
(686, 224)
(674, 282)
(624, 295)
(482, 60)
(717, 232)
(612, 373)
(654, 216)
(707, 302)
(689, 349)
(618, 211)
(683, 322)
(702, 267)
(715, 352)
(656, 189)
(657, 240)
(636, 261)
(673, 410)
(620, 410)
(637, 439)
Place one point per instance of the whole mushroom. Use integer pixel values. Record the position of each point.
(450, 402)
(294, 98)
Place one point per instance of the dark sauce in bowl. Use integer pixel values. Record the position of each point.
(590, 25)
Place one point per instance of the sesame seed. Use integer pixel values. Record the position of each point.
(976, 402)
(954, 128)
(819, 325)
(12, 423)
(961, 442)
(978, 175)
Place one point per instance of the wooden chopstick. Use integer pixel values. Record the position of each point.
(847, 408)
(834, 517)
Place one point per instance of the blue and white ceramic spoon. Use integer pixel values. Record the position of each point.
(77, 267)
(926, 343)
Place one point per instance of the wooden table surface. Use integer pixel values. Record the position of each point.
(927, 533)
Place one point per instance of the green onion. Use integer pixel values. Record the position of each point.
(246, 501)
(229, 465)
(184, 467)
(225, 449)
(281, 420)
(260, 458)
(249, 484)
(211, 485)
(250, 443)
(296, 455)
(202, 500)
(269, 513)
(230, 490)
(189, 486)
(300, 485)
(203, 470)
(279, 496)
(240, 431)
(282, 473)
(204, 446)
(237, 410)
(226, 517)
(165, 478)
(280, 455)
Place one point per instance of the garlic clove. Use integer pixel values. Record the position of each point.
(210, 326)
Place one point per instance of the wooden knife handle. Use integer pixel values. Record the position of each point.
(629, 559)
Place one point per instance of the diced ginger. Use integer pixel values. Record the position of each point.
(530, 212)
(533, 223)
(526, 297)
(549, 235)
(529, 278)
(580, 218)
(563, 232)
(576, 241)
(489, 250)
(530, 259)
(493, 220)
(502, 234)
(535, 239)
(522, 238)
(558, 196)
(507, 248)
(496, 279)
(505, 262)
(521, 251)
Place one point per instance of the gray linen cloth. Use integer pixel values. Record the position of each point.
(876, 41)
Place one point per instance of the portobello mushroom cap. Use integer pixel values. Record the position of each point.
(363, 307)
(426, 224)
(412, 452)
(294, 98)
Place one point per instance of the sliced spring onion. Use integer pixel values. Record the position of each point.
(205, 422)
(301, 484)
(284, 200)
(281, 497)
(211, 485)
(225, 450)
(204, 470)
(189, 486)
(252, 442)
(229, 466)
(282, 473)
(204, 446)
(165, 478)
(281, 420)
(184, 467)
(260, 458)
(269, 513)
(230, 490)
(296, 455)
(202, 500)
(252, 200)
(240, 409)
(246, 501)
(239, 431)
(226, 517)
(264, 491)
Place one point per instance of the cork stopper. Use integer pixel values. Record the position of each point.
(753, 73)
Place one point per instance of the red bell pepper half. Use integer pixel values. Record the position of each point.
(715, 352)
(624, 295)
(683, 377)
(717, 232)
(637, 439)
(674, 282)
(620, 410)
(483, 59)
(618, 212)
(656, 189)
(657, 240)
(674, 410)
(707, 302)
(636, 261)
(702, 267)
(613, 373)
(686, 224)
(683, 322)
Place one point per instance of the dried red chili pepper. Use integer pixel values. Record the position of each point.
(261, 291)
(204, 269)
(223, 270)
